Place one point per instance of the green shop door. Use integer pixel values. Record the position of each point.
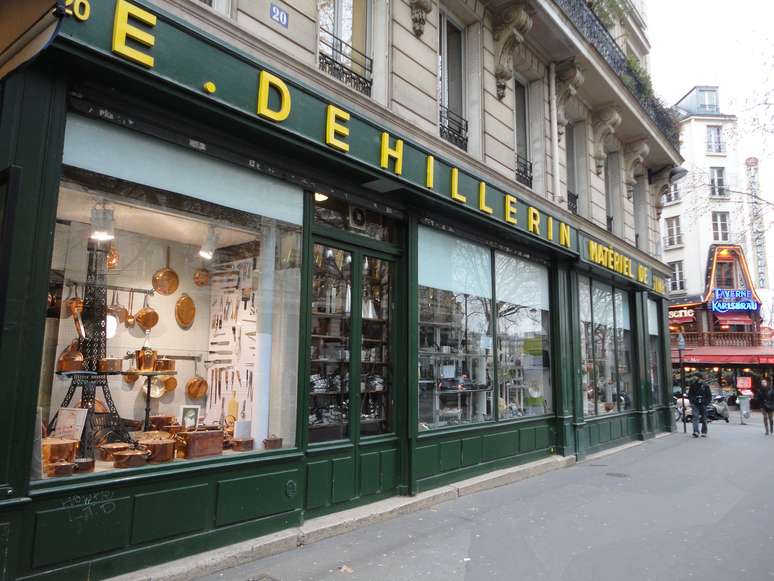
(356, 375)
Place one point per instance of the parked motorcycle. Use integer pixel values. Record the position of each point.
(717, 409)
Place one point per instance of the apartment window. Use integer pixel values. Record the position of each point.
(572, 180)
(720, 226)
(344, 42)
(708, 101)
(715, 139)
(673, 235)
(676, 281)
(222, 6)
(718, 181)
(613, 194)
(673, 193)
(523, 164)
(724, 275)
(451, 82)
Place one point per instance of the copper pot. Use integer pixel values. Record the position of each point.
(201, 277)
(110, 365)
(56, 449)
(60, 468)
(146, 317)
(130, 458)
(131, 376)
(165, 281)
(242, 445)
(71, 359)
(83, 465)
(145, 359)
(161, 450)
(161, 422)
(106, 452)
(164, 364)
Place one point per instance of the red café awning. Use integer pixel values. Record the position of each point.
(682, 320)
(758, 355)
(733, 318)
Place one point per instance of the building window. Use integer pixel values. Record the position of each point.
(676, 281)
(606, 348)
(715, 142)
(708, 101)
(456, 372)
(222, 6)
(656, 352)
(673, 193)
(451, 81)
(724, 275)
(196, 264)
(673, 236)
(345, 43)
(521, 111)
(572, 179)
(613, 193)
(718, 181)
(720, 226)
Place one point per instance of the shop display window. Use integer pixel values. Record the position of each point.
(606, 347)
(455, 331)
(523, 337)
(173, 314)
(656, 355)
(339, 214)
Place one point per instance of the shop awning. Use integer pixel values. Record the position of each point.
(733, 318)
(726, 355)
(682, 320)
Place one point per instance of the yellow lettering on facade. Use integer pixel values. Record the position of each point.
(617, 263)
(642, 274)
(658, 284)
(564, 235)
(550, 228)
(455, 185)
(267, 82)
(592, 251)
(335, 129)
(429, 168)
(533, 220)
(482, 198)
(388, 152)
(123, 30)
(510, 209)
(610, 258)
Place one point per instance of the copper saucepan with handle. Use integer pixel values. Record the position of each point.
(165, 281)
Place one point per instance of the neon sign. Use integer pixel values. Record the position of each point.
(725, 300)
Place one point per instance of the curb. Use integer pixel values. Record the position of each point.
(324, 527)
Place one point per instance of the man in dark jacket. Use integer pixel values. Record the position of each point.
(699, 395)
(767, 406)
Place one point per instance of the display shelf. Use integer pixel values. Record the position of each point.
(148, 373)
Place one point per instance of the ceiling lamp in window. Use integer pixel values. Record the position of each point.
(208, 248)
(102, 227)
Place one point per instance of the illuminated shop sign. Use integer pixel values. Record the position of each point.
(726, 300)
(681, 314)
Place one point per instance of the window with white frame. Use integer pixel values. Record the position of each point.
(451, 80)
(673, 193)
(720, 226)
(718, 181)
(708, 101)
(521, 137)
(345, 42)
(673, 235)
(222, 6)
(676, 281)
(715, 139)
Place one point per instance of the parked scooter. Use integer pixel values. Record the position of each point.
(718, 408)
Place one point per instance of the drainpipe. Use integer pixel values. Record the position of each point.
(557, 184)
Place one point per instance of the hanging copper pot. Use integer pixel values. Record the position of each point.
(185, 311)
(71, 359)
(165, 281)
(146, 317)
(201, 277)
(196, 387)
(75, 308)
(112, 257)
(116, 309)
(130, 321)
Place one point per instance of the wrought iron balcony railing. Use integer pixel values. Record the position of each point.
(523, 170)
(344, 62)
(454, 128)
(596, 34)
(719, 339)
(572, 202)
(610, 223)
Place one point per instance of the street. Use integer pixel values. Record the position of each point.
(674, 508)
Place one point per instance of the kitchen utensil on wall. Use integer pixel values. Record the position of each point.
(131, 376)
(145, 358)
(165, 281)
(146, 317)
(157, 387)
(116, 309)
(71, 359)
(170, 382)
(196, 387)
(112, 257)
(201, 277)
(185, 311)
(75, 308)
(130, 311)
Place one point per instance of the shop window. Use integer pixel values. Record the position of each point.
(606, 348)
(455, 331)
(523, 338)
(344, 42)
(656, 352)
(173, 307)
(336, 213)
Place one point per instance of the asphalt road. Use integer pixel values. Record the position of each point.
(673, 508)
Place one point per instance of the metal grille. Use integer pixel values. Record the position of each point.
(572, 202)
(610, 223)
(523, 171)
(716, 147)
(454, 128)
(344, 62)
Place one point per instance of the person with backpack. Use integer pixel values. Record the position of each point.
(700, 395)
(767, 406)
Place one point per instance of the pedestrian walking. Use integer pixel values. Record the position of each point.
(699, 395)
(767, 406)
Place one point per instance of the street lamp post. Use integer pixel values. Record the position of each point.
(680, 349)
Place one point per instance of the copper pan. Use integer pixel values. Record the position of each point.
(185, 311)
(165, 281)
(117, 310)
(129, 312)
(146, 317)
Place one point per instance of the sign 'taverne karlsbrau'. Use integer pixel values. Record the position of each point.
(145, 37)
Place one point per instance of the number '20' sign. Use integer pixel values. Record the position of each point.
(278, 15)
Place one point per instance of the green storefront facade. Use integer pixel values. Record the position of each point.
(394, 294)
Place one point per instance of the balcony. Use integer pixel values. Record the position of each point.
(454, 129)
(717, 147)
(708, 108)
(523, 170)
(344, 62)
(572, 202)
(718, 339)
(595, 33)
